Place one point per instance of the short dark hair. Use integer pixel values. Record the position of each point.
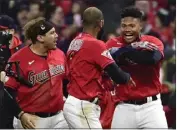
(32, 29)
(91, 16)
(132, 12)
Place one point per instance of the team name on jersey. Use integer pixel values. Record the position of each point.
(46, 74)
(75, 45)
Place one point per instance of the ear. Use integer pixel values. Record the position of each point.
(40, 38)
(101, 23)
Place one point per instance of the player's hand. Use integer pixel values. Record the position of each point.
(131, 83)
(2, 76)
(28, 121)
(144, 45)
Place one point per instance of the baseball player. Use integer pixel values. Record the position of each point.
(141, 56)
(44, 66)
(87, 57)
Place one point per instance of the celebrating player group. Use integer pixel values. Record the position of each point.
(111, 85)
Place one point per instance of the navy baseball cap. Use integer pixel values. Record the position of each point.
(7, 22)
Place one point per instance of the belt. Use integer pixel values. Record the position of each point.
(42, 114)
(141, 101)
(94, 100)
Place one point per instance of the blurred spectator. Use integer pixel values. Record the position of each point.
(67, 36)
(173, 29)
(162, 26)
(36, 9)
(22, 19)
(57, 18)
(143, 5)
(146, 7)
(22, 14)
(74, 17)
(66, 5)
(147, 27)
(76, 10)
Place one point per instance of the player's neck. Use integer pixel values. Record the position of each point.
(91, 32)
(39, 49)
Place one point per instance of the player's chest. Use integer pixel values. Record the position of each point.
(40, 70)
(138, 70)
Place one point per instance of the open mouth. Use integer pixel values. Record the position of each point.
(55, 41)
(128, 36)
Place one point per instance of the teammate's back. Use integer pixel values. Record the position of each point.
(85, 65)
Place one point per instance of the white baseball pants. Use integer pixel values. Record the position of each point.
(81, 114)
(149, 115)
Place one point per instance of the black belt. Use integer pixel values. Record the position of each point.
(140, 101)
(42, 114)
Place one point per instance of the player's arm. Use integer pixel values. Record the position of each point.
(141, 53)
(140, 56)
(101, 56)
(116, 74)
(144, 57)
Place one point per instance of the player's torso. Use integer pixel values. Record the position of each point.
(46, 74)
(146, 77)
(84, 74)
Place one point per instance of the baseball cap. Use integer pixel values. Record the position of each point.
(7, 22)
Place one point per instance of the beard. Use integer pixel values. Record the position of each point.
(101, 35)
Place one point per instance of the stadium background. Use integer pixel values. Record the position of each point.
(159, 20)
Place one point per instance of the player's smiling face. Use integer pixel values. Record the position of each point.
(50, 39)
(130, 28)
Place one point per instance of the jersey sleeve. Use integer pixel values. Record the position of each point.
(113, 43)
(100, 54)
(11, 81)
(158, 43)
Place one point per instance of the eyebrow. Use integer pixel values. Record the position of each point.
(52, 31)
